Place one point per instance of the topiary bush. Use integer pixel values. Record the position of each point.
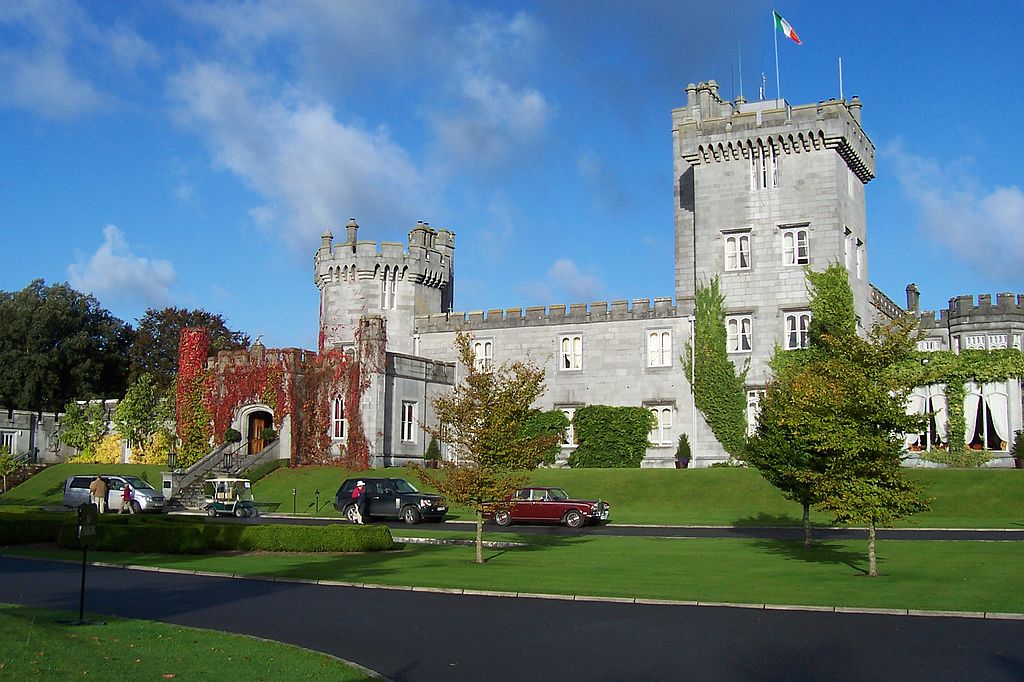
(550, 423)
(232, 436)
(268, 433)
(610, 437)
(683, 452)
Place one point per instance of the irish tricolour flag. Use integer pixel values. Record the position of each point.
(786, 29)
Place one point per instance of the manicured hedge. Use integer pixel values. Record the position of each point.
(208, 537)
(19, 529)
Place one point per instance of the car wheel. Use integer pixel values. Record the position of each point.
(136, 507)
(503, 517)
(350, 513)
(573, 518)
(240, 512)
(211, 512)
(411, 515)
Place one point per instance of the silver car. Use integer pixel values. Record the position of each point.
(144, 496)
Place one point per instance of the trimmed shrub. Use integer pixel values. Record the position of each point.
(207, 537)
(265, 469)
(232, 436)
(550, 423)
(20, 529)
(268, 433)
(611, 437)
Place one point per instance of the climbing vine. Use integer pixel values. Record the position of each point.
(717, 387)
(193, 418)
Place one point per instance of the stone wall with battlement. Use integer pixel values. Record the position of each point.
(535, 316)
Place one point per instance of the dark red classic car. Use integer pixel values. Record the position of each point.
(550, 505)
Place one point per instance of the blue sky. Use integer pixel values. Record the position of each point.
(191, 153)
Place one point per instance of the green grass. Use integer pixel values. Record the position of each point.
(980, 498)
(34, 646)
(47, 487)
(960, 576)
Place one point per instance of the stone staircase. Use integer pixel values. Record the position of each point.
(228, 460)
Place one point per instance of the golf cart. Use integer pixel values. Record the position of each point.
(229, 496)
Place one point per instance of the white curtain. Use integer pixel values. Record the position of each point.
(995, 398)
(941, 417)
(971, 401)
(916, 403)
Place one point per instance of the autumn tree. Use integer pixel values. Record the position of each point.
(83, 426)
(57, 345)
(482, 420)
(154, 349)
(143, 417)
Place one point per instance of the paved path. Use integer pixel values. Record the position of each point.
(414, 636)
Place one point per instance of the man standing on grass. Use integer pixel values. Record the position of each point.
(98, 492)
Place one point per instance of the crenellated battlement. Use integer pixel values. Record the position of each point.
(1005, 304)
(288, 359)
(426, 259)
(712, 130)
(536, 316)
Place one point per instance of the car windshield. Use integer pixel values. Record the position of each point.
(138, 483)
(403, 486)
(557, 494)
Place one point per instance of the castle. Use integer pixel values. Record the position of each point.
(762, 189)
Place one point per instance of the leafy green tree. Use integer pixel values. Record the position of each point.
(8, 464)
(154, 350)
(482, 421)
(57, 345)
(718, 388)
(143, 412)
(83, 427)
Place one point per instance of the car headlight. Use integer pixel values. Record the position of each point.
(426, 503)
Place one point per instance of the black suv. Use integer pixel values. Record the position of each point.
(392, 498)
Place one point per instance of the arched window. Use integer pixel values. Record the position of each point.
(338, 423)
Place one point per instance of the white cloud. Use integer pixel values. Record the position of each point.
(115, 273)
(298, 155)
(982, 227)
(564, 282)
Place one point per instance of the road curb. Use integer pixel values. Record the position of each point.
(640, 601)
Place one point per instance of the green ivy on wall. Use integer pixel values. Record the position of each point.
(552, 422)
(610, 437)
(718, 389)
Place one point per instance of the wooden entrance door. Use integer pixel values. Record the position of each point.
(257, 423)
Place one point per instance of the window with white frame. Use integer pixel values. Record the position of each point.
(9, 442)
(738, 330)
(797, 325)
(794, 246)
(659, 348)
(1016, 341)
(974, 342)
(986, 413)
(569, 435)
(483, 353)
(860, 259)
(570, 352)
(848, 248)
(338, 424)
(929, 401)
(764, 167)
(753, 409)
(409, 410)
(737, 251)
(996, 341)
(661, 434)
(929, 344)
(388, 288)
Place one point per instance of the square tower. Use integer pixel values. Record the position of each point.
(762, 190)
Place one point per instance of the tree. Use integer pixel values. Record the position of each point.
(82, 427)
(143, 413)
(154, 350)
(8, 464)
(831, 427)
(482, 420)
(718, 389)
(57, 345)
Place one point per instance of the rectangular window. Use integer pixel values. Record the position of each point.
(797, 325)
(409, 421)
(570, 352)
(659, 348)
(9, 441)
(569, 435)
(338, 419)
(929, 345)
(753, 410)
(483, 352)
(737, 251)
(794, 247)
(860, 259)
(848, 249)
(738, 333)
(1016, 341)
(764, 168)
(996, 341)
(974, 342)
(661, 434)
(388, 288)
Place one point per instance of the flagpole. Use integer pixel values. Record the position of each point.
(775, 33)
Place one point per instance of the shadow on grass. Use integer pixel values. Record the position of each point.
(819, 553)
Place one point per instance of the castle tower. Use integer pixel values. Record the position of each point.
(357, 279)
(762, 190)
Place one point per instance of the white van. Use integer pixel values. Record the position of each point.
(144, 498)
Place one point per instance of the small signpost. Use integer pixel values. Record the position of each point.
(87, 518)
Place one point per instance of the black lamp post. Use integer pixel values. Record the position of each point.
(293, 500)
(317, 494)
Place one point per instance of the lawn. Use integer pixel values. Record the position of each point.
(962, 576)
(34, 646)
(979, 498)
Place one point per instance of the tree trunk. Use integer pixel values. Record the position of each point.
(872, 559)
(479, 536)
(807, 525)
